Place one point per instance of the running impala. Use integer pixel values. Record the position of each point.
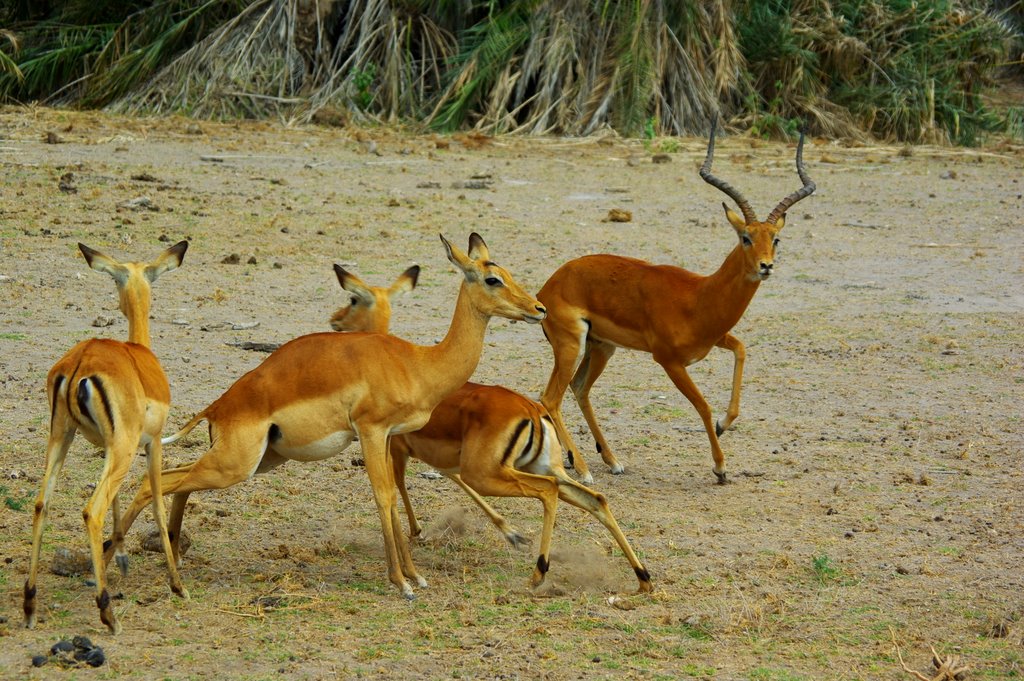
(598, 303)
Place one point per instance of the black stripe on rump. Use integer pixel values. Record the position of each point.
(57, 383)
(82, 395)
(509, 449)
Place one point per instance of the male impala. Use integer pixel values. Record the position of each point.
(487, 439)
(117, 395)
(600, 302)
(310, 398)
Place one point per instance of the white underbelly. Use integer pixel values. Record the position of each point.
(325, 448)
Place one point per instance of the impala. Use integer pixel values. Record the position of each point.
(493, 441)
(600, 302)
(312, 396)
(487, 439)
(117, 396)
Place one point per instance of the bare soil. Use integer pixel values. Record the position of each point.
(877, 493)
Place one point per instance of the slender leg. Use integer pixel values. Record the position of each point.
(155, 456)
(733, 344)
(595, 504)
(685, 384)
(381, 474)
(597, 355)
(118, 460)
(488, 476)
(511, 535)
(569, 351)
(399, 461)
(116, 541)
(404, 552)
(61, 435)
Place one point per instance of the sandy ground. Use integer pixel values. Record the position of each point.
(876, 464)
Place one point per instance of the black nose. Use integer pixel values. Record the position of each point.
(766, 267)
(540, 308)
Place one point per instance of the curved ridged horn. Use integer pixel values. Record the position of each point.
(804, 191)
(705, 173)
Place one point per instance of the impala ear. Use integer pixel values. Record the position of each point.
(460, 259)
(737, 222)
(781, 222)
(407, 281)
(105, 264)
(477, 247)
(167, 261)
(353, 284)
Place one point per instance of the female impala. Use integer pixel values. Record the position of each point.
(310, 398)
(487, 439)
(117, 396)
(600, 302)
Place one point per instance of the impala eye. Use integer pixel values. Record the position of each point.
(355, 301)
(746, 240)
(775, 243)
(493, 281)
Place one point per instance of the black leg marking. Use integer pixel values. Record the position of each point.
(642, 574)
(598, 447)
(107, 544)
(542, 565)
(103, 600)
(718, 429)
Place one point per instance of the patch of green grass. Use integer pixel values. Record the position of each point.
(13, 336)
(13, 502)
(824, 569)
(766, 674)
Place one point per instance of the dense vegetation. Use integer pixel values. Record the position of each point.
(908, 70)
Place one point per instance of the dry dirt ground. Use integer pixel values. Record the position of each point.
(877, 492)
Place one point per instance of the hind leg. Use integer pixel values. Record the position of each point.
(567, 338)
(154, 452)
(590, 370)
(61, 435)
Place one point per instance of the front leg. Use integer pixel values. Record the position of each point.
(734, 345)
(379, 469)
(681, 379)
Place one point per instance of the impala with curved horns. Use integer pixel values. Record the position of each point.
(598, 303)
(312, 396)
(118, 397)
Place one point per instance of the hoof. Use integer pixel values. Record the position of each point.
(409, 595)
(719, 429)
(182, 593)
(618, 469)
(722, 479)
(517, 540)
(421, 582)
(587, 479)
(122, 563)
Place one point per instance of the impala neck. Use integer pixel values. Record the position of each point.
(455, 358)
(135, 306)
(729, 291)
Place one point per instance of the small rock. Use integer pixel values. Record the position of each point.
(52, 138)
(62, 646)
(66, 183)
(193, 129)
(144, 177)
(232, 259)
(139, 203)
(948, 175)
(619, 215)
(103, 321)
(251, 260)
(70, 563)
(428, 185)
(39, 660)
(661, 158)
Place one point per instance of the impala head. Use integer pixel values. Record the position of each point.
(759, 240)
(492, 289)
(369, 307)
(133, 279)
